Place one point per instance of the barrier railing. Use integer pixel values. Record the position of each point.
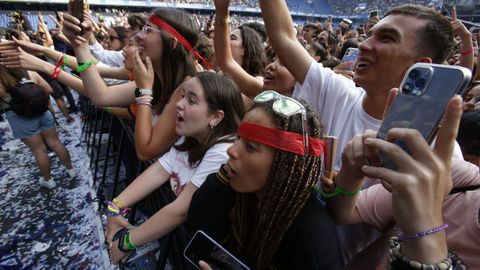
(108, 157)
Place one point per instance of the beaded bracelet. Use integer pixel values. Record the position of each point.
(339, 191)
(404, 237)
(398, 261)
(83, 66)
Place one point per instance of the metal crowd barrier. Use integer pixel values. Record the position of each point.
(117, 152)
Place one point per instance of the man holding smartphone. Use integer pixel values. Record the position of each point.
(406, 35)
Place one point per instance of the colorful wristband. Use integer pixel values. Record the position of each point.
(339, 191)
(404, 237)
(128, 242)
(83, 66)
(467, 52)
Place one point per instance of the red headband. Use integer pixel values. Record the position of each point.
(167, 28)
(280, 139)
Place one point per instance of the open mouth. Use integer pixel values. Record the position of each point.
(268, 77)
(362, 64)
(180, 118)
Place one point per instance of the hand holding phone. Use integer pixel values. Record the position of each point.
(203, 248)
(350, 55)
(78, 9)
(421, 101)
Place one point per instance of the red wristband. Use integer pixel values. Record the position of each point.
(467, 52)
(56, 72)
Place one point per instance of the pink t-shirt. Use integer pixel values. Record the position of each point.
(460, 212)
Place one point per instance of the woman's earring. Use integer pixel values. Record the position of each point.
(211, 126)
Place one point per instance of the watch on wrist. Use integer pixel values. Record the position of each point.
(142, 92)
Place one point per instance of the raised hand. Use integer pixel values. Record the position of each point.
(75, 31)
(18, 58)
(221, 7)
(421, 184)
(115, 224)
(144, 74)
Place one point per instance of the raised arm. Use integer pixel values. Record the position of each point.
(466, 45)
(248, 84)
(282, 36)
(151, 141)
(96, 90)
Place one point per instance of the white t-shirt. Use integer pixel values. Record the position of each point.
(176, 164)
(339, 105)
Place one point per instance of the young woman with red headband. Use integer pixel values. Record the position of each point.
(165, 44)
(264, 209)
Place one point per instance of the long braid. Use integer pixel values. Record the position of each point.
(259, 225)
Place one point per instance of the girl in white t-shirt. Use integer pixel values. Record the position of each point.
(207, 119)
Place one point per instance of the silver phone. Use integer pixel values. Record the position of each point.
(422, 99)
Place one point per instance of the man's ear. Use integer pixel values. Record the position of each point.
(216, 118)
(427, 60)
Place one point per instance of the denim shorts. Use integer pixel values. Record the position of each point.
(26, 127)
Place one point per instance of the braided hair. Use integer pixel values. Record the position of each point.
(259, 224)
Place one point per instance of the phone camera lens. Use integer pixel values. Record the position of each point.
(420, 83)
(414, 74)
(407, 88)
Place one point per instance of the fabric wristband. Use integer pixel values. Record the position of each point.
(467, 52)
(83, 66)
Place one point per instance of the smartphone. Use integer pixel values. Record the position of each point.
(421, 101)
(350, 55)
(373, 13)
(203, 247)
(78, 8)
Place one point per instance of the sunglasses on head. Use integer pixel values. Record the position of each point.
(286, 106)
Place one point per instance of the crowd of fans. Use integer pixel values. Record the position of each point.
(346, 8)
(235, 111)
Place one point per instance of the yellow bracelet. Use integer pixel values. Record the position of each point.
(222, 21)
(119, 204)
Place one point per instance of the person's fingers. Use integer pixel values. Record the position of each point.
(72, 26)
(9, 53)
(7, 42)
(390, 99)
(393, 151)
(204, 266)
(372, 155)
(412, 140)
(389, 177)
(344, 65)
(448, 132)
(327, 184)
(358, 151)
(149, 64)
(454, 13)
